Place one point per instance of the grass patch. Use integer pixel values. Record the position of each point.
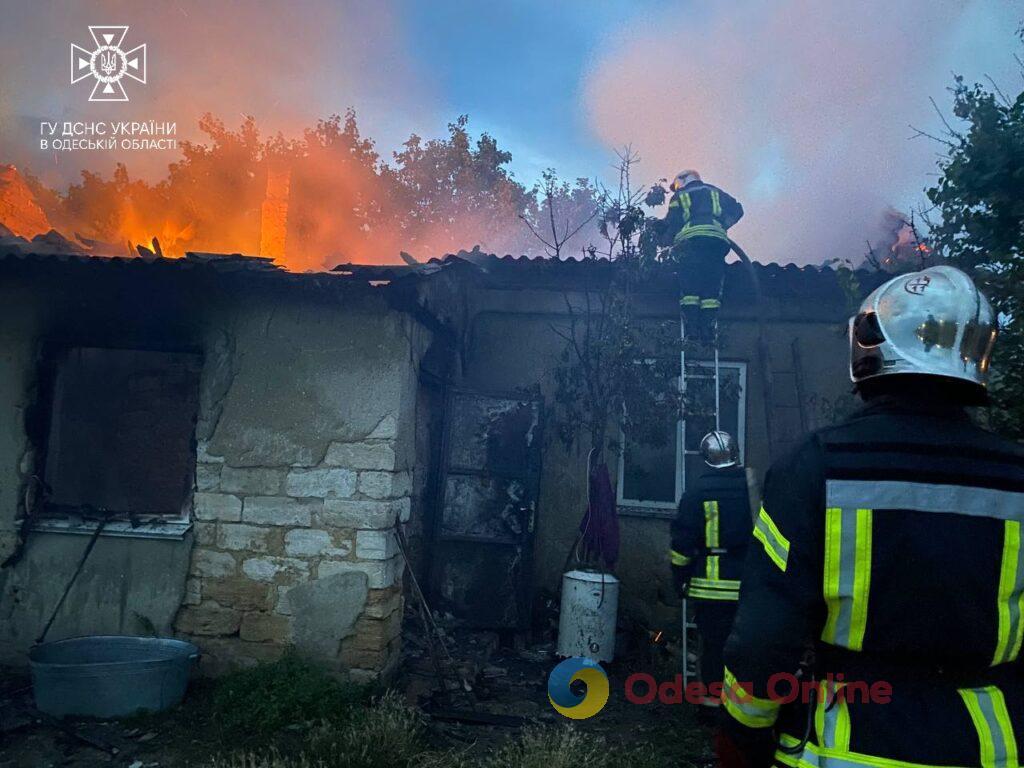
(388, 734)
(384, 734)
(293, 714)
(255, 705)
(566, 747)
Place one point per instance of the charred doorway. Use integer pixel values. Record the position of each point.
(486, 509)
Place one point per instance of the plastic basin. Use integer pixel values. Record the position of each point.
(110, 676)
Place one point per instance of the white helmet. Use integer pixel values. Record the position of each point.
(683, 178)
(719, 450)
(935, 322)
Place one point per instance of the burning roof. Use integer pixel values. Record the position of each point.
(809, 292)
(20, 213)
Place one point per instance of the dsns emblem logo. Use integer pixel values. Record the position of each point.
(566, 701)
(108, 63)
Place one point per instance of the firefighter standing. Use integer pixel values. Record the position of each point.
(709, 541)
(891, 546)
(699, 216)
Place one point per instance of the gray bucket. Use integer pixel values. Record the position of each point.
(110, 676)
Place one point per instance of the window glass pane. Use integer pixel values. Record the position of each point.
(695, 467)
(700, 395)
(649, 473)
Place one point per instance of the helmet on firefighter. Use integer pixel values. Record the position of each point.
(719, 450)
(934, 323)
(683, 178)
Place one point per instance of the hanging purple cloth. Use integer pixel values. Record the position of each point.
(599, 529)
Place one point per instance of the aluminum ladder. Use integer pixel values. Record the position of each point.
(690, 637)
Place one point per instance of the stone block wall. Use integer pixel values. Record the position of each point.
(304, 450)
(304, 462)
(300, 555)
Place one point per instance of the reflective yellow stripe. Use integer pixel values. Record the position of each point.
(814, 756)
(783, 758)
(776, 546)
(712, 567)
(847, 575)
(726, 584)
(746, 708)
(684, 199)
(1010, 603)
(833, 529)
(987, 708)
(716, 204)
(701, 230)
(689, 301)
(710, 304)
(711, 524)
(832, 718)
(713, 594)
(678, 559)
(862, 579)
(711, 538)
(674, 202)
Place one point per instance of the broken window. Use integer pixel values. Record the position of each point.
(652, 479)
(120, 443)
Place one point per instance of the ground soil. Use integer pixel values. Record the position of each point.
(492, 691)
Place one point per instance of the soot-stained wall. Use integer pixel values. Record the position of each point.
(303, 440)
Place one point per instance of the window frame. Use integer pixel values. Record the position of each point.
(63, 519)
(643, 508)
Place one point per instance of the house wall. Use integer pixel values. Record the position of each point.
(511, 344)
(304, 441)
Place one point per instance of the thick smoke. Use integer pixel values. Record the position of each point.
(801, 108)
(285, 63)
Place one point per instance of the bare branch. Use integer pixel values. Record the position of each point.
(945, 122)
(998, 90)
(918, 133)
(871, 256)
(583, 223)
(535, 232)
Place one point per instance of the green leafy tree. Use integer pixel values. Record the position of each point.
(452, 192)
(345, 202)
(979, 207)
(617, 369)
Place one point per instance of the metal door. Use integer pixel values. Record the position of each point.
(487, 509)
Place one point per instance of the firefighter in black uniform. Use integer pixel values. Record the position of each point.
(696, 225)
(889, 551)
(709, 542)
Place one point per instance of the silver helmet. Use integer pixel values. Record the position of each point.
(935, 322)
(719, 450)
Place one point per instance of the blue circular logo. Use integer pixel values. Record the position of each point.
(578, 706)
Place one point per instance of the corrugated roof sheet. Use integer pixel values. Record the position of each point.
(806, 284)
(775, 280)
(38, 252)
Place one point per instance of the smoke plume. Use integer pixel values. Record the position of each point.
(802, 109)
(284, 63)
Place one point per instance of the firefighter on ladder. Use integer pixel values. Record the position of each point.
(889, 550)
(696, 225)
(709, 541)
